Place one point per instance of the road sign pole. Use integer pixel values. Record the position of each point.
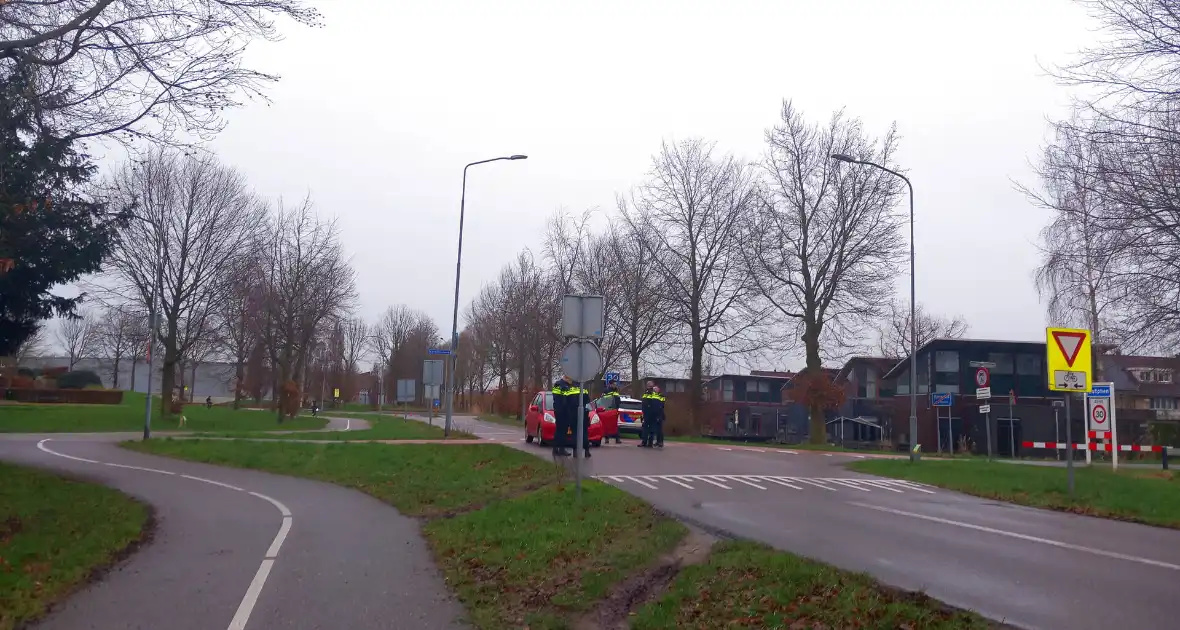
(1069, 446)
(1114, 428)
(987, 420)
(1085, 425)
(578, 436)
(950, 428)
(1011, 429)
(938, 426)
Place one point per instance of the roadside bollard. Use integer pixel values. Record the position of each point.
(1164, 457)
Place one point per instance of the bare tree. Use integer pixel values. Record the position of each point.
(691, 210)
(1081, 275)
(1130, 75)
(115, 338)
(356, 342)
(132, 69)
(825, 243)
(201, 217)
(641, 315)
(78, 336)
(309, 286)
(240, 315)
(893, 334)
(33, 346)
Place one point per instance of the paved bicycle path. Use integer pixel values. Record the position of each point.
(241, 549)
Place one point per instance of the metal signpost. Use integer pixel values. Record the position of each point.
(939, 400)
(432, 377)
(1057, 404)
(1011, 424)
(405, 393)
(1068, 365)
(582, 323)
(983, 391)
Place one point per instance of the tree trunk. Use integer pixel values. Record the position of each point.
(192, 390)
(239, 376)
(636, 386)
(115, 379)
(818, 432)
(696, 393)
(167, 378)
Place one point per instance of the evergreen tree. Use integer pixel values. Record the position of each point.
(50, 232)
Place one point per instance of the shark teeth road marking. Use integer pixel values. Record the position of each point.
(725, 482)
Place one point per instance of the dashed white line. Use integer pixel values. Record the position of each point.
(812, 482)
(780, 482)
(250, 599)
(878, 484)
(1036, 539)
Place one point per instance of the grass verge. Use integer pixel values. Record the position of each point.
(747, 585)
(1143, 496)
(382, 427)
(55, 534)
(128, 416)
(828, 448)
(503, 525)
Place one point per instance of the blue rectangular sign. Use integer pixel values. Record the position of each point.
(1100, 391)
(438, 351)
(611, 377)
(941, 399)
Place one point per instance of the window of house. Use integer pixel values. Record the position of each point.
(1165, 376)
(1003, 361)
(1163, 403)
(946, 361)
(944, 388)
(727, 390)
(870, 387)
(1028, 364)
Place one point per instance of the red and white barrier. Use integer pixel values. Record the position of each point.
(1138, 448)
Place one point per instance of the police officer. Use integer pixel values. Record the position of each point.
(581, 406)
(658, 429)
(612, 390)
(653, 409)
(564, 406)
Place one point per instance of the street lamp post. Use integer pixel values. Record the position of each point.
(913, 303)
(455, 315)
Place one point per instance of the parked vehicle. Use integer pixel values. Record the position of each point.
(540, 425)
(626, 412)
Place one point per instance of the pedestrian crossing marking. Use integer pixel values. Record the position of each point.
(766, 482)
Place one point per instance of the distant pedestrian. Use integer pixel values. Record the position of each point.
(208, 402)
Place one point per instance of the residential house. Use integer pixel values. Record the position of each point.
(867, 413)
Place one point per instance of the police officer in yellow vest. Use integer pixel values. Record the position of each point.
(653, 417)
(565, 405)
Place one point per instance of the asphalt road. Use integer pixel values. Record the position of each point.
(1030, 568)
(240, 549)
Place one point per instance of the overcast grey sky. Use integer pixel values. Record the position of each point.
(378, 111)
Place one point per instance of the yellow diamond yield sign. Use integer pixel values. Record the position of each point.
(1068, 359)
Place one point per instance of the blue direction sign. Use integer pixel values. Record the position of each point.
(1100, 391)
(941, 399)
(611, 377)
(438, 351)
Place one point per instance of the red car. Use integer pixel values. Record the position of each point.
(618, 414)
(540, 425)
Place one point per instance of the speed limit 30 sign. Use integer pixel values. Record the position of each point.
(1098, 417)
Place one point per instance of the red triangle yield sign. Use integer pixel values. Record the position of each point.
(1069, 343)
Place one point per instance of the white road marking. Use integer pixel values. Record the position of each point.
(827, 454)
(216, 483)
(679, 483)
(911, 486)
(878, 484)
(748, 483)
(347, 424)
(847, 483)
(755, 450)
(707, 480)
(780, 482)
(251, 598)
(640, 482)
(790, 452)
(725, 448)
(242, 616)
(1036, 539)
(859, 456)
(812, 482)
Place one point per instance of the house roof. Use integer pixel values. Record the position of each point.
(884, 364)
(1119, 368)
(944, 342)
(772, 373)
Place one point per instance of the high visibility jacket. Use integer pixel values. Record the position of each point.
(653, 406)
(566, 400)
(612, 392)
